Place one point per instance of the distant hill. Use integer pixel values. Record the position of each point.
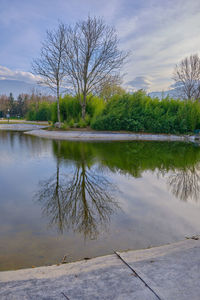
(18, 87)
(171, 93)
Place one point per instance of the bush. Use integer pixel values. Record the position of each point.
(138, 112)
(40, 112)
(82, 123)
(70, 108)
(71, 123)
(65, 125)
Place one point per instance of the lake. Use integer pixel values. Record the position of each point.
(85, 199)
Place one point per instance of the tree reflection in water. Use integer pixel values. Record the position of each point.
(185, 183)
(82, 200)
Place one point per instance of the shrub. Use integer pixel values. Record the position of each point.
(138, 112)
(70, 108)
(40, 112)
(82, 123)
(71, 123)
(65, 125)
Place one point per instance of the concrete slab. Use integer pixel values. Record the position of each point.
(106, 136)
(20, 127)
(22, 121)
(99, 278)
(172, 271)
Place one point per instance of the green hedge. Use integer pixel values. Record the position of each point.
(40, 112)
(70, 110)
(140, 113)
(131, 112)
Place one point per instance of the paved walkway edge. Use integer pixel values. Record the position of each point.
(98, 262)
(169, 272)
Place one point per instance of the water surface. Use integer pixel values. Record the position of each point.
(84, 199)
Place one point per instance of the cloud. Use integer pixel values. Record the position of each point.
(6, 73)
(140, 82)
(161, 36)
(159, 33)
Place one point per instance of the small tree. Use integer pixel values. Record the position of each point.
(50, 65)
(187, 77)
(109, 87)
(92, 54)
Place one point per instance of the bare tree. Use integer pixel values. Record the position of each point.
(50, 65)
(187, 77)
(92, 54)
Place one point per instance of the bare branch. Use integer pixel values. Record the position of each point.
(92, 55)
(187, 77)
(51, 64)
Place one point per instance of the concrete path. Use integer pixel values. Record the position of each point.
(16, 121)
(171, 272)
(21, 127)
(106, 136)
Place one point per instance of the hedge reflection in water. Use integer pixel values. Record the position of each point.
(84, 200)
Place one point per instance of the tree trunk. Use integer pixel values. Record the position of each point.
(83, 106)
(58, 108)
(60, 224)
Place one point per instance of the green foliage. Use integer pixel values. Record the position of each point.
(70, 110)
(109, 90)
(40, 112)
(82, 123)
(95, 106)
(65, 125)
(140, 113)
(131, 112)
(71, 123)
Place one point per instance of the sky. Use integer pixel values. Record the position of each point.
(159, 33)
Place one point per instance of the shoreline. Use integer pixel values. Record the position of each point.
(81, 135)
(108, 136)
(171, 271)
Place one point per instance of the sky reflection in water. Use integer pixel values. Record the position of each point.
(85, 199)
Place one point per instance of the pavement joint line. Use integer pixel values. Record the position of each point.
(65, 296)
(119, 256)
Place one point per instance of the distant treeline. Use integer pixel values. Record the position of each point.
(18, 108)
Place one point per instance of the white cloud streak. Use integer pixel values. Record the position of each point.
(6, 73)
